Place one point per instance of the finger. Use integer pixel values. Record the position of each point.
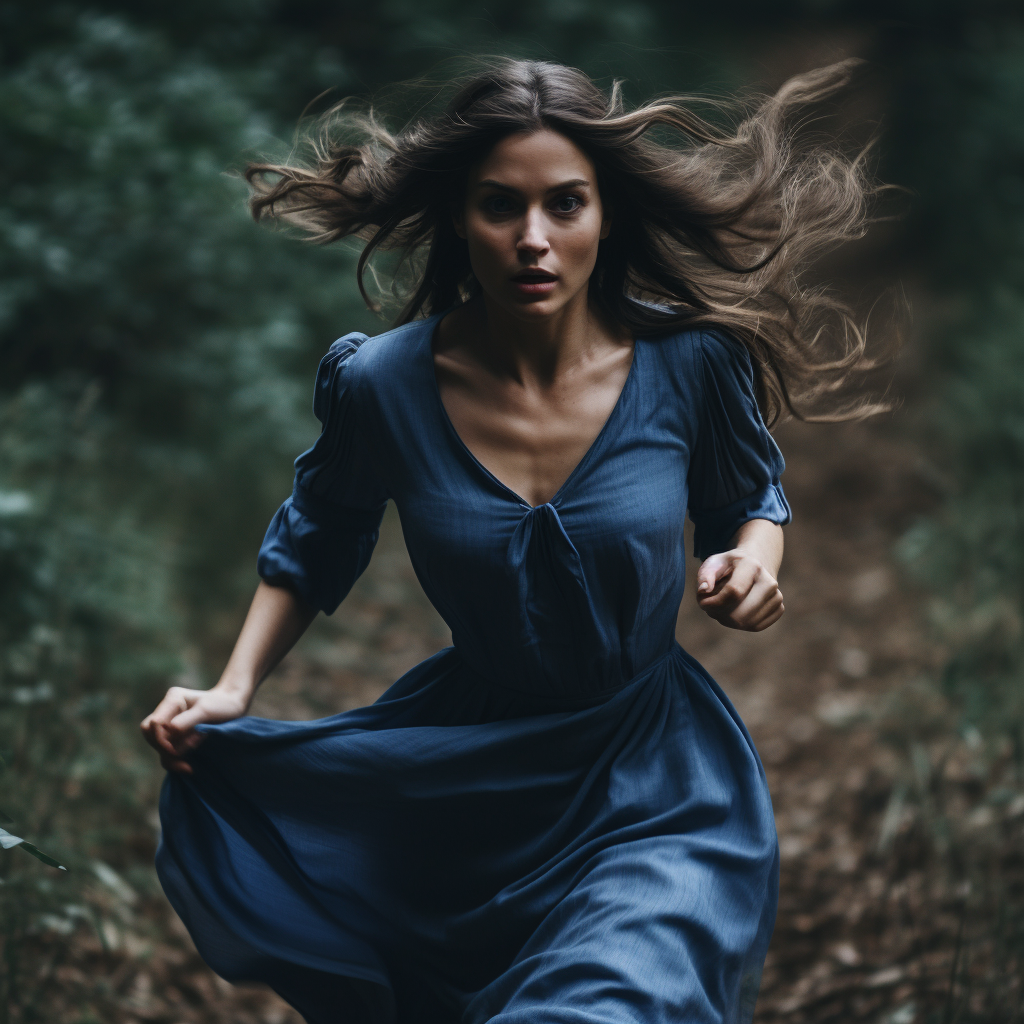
(153, 722)
(767, 620)
(156, 736)
(711, 570)
(753, 603)
(174, 702)
(188, 719)
(149, 735)
(763, 617)
(730, 592)
(724, 618)
(168, 740)
(176, 764)
(752, 617)
(722, 615)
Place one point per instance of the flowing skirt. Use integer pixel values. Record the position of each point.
(459, 852)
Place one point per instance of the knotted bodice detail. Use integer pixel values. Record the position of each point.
(566, 649)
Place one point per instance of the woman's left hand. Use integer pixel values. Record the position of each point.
(736, 589)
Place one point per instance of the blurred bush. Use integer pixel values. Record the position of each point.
(957, 136)
(152, 345)
(968, 150)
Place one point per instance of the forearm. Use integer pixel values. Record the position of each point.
(761, 540)
(276, 620)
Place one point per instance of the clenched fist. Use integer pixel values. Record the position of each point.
(736, 589)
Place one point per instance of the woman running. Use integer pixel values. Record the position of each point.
(560, 819)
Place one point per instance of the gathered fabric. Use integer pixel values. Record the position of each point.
(558, 820)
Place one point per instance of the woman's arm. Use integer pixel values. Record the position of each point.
(738, 587)
(276, 620)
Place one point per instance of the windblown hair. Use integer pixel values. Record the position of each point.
(715, 227)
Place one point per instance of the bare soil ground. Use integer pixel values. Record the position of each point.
(861, 934)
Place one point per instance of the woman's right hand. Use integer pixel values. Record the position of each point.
(170, 729)
(276, 619)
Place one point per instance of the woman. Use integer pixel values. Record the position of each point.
(560, 818)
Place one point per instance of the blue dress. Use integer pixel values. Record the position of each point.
(558, 820)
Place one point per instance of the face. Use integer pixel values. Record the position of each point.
(532, 219)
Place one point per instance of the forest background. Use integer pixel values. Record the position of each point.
(156, 356)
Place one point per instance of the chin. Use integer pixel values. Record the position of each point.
(535, 313)
(535, 308)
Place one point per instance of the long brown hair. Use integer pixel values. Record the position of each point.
(716, 230)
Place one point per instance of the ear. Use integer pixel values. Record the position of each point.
(606, 223)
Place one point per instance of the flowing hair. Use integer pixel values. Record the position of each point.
(711, 226)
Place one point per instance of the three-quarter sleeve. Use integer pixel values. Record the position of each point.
(735, 465)
(322, 537)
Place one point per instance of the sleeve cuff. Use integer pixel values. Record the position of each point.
(715, 528)
(318, 549)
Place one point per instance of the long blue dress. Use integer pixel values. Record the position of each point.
(558, 820)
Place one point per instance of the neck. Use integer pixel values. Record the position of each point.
(538, 348)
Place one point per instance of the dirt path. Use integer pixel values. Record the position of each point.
(851, 942)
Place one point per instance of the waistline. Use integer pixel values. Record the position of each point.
(558, 701)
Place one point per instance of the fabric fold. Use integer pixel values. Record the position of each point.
(736, 465)
(321, 538)
(320, 556)
(558, 623)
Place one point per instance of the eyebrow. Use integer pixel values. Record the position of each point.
(572, 183)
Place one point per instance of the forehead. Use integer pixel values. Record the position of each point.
(535, 159)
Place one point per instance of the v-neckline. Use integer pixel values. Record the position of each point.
(456, 437)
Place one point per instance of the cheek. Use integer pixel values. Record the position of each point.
(488, 243)
(579, 246)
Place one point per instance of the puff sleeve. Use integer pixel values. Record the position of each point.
(736, 464)
(321, 538)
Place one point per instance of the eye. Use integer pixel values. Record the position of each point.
(499, 205)
(568, 204)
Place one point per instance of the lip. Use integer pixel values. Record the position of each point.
(535, 282)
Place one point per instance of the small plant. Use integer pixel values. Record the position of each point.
(8, 842)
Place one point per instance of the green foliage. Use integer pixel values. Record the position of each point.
(969, 90)
(972, 551)
(156, 352)
(958, 138)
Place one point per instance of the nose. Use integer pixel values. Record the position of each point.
(533, 241)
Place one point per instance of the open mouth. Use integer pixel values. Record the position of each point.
(535, 283)
(535, 277)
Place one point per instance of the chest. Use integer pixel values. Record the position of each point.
(617, 476)
(532, 437)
